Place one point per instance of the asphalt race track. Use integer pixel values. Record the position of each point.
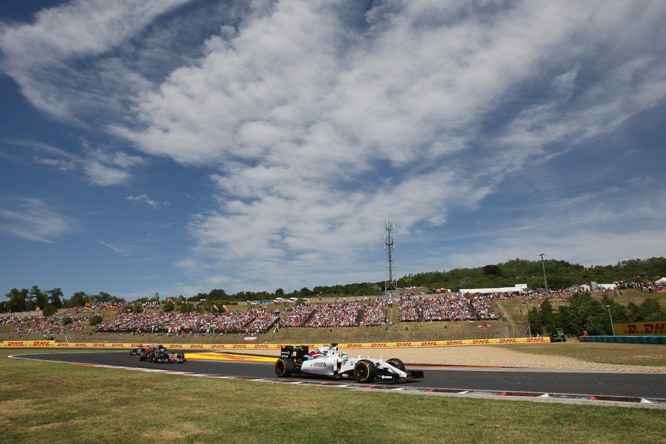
(643, 388)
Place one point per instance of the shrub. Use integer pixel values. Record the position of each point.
(49, 310)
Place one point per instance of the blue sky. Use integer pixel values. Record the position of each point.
(179, 146)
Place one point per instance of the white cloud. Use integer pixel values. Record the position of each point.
(34, 220)
(61, 164)
(103, 175)
(321, 136)
(38, 53)
(120, 250)
(314, 129)
(145, 199)
(109, 168)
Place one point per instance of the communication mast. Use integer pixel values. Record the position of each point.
(390, 285)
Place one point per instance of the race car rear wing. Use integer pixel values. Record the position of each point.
(294, 351)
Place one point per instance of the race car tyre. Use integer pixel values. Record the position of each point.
(284, 367)
(397, 363)
(142, 356)
(365, 371)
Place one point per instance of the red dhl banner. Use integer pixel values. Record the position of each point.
(641, 328)
(246, 346)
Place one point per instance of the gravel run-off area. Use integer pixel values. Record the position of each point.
(487, 356)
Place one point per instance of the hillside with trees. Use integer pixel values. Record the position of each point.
(560, 275)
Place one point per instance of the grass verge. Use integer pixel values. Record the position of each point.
(46, 402)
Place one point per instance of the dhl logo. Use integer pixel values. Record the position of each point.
(404, 344)
(454, 343)
(649, 328)
(354, 345)
(429, 344)
(380, 345)
(480, 341)
(508, 341)
(29, 344)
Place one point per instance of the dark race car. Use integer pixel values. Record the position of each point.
(157, 353)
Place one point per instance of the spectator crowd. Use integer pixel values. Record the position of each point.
(255, 320)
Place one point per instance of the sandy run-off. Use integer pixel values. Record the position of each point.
(486, 356)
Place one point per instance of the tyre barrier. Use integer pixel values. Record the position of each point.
(626, 339)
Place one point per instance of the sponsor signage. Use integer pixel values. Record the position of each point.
(641, 328)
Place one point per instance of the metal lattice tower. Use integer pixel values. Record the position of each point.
(390, 284)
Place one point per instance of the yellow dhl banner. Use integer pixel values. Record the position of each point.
(641, 328)
(226, 347)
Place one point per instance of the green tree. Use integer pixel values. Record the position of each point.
(168, 306)
(633, 312)
(49, 310)
(492, 270)
(18, 300)
(547, 315)
(55, 297)
(79, 299)
(534, 319)
(186, 308)
(305, 292)
(217, 295)
(650, 311)
(198, 297)
(37, 298)
(584, 313)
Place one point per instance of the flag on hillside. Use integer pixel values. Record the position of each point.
(483, 325)
(225, 309)
(215, 307)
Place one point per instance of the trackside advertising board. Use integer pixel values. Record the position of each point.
(232, 347)
(641, 328)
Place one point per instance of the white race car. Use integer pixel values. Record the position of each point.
(328, 361)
